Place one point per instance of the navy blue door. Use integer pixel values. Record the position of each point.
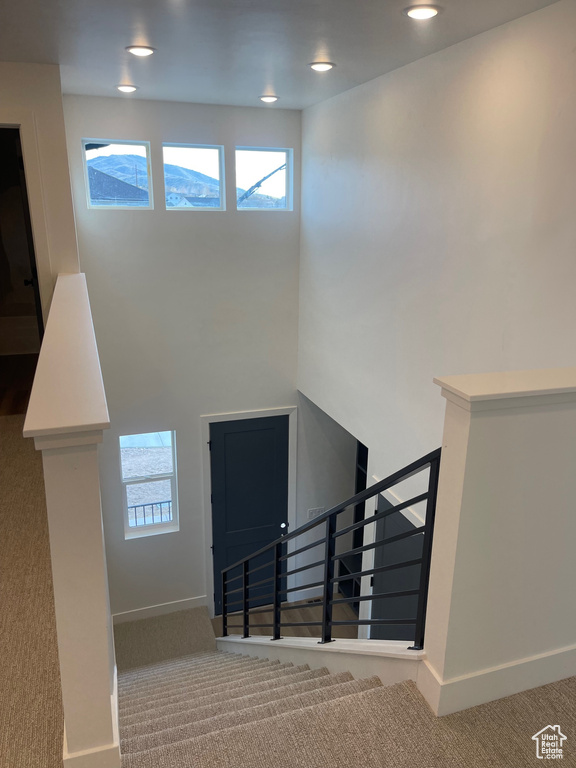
(249, 469)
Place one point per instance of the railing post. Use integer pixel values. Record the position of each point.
(224, 604)
(245, 614)
(277, 585)
(331, 523)
(426, 555)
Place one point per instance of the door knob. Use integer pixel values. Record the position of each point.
(284, 528)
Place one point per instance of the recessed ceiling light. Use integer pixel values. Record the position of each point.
(127, 88)
(269, 99)
(422, 11)
(140, 50)
(322, 66)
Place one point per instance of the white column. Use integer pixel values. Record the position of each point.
(81, 599)
(66, 417)
(503, 567)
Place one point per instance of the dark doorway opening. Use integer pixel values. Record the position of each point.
(21, 325)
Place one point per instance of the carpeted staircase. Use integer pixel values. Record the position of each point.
(188, 712)
(183, 704)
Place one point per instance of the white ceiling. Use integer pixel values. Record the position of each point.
(233, 51)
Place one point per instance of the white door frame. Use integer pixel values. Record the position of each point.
(291, 412)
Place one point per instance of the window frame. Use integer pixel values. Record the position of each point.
(289, 178)
(221, 168)
(151, 529)
(149, 207)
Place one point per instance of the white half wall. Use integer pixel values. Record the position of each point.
(500, 616)
(31, 99)
(195, 313)
(438, 230)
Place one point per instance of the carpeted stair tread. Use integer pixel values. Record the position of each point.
(252, 714)
(191, 681)
(294, 674)
(211, 687)
(172, 673)
(136, 674)
(333, 733)
(152, 672)
(315, 679)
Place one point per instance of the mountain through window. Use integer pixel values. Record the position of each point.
(118, 174)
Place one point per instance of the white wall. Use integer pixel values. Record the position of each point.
(438, 230)
(195, 313)
(31, 98)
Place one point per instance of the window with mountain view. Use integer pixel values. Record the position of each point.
(263, 179)
(193, 177)
(118, 174)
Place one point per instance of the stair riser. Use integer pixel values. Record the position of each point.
(233, 719)
(155, 705)
(190, 680)
(176, 709)
(165, 670)
(314, 679)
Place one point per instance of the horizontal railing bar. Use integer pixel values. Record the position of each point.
(259, 567)
(302, 624)
(256, 611)
(259, 597)
(364, 622)
(379, 596)
(301, 605)
(258, 583)
(303, 549)
(373, 490)
(381, 543)
(380, 569)
(381, 515)
(303, 568)
(234, 578)
(149, 504)
(232, 591)
(306, 586)
(255, 626)
(235, 602)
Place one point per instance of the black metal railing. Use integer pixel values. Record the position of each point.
(149, 514)
(244, 593)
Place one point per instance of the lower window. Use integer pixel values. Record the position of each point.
(148, 470)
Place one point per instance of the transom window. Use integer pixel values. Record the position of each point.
(118, 174)
(148, 468)
(263, 179)
(193, 177)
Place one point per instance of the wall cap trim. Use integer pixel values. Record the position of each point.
(510, 389)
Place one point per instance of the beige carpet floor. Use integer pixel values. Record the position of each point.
(31, 718)
(163, 637)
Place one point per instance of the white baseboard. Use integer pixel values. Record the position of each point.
(160, 610)
(448, 696)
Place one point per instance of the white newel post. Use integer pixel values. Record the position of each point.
(66, 417)
(500, 612)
